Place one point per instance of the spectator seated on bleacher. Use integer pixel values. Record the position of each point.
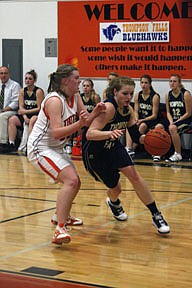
(30, 99)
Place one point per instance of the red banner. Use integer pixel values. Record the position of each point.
(129, 37)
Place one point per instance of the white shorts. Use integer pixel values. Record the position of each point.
(52, 162)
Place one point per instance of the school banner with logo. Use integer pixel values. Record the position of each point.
(130, 37)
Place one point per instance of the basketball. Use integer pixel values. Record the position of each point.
(157, 142)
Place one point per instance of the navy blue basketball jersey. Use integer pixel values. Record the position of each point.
(177, 104)
(89, 104)
(145, 107)
(104, 158)
(119, 121)
(30, 101)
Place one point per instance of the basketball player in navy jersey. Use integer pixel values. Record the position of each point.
(89, 97)
(179, 109)
(105, 157)
(30, 99)
(146, 107)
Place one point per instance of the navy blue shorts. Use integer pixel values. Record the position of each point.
(182, 125)
(150, 123)
(104, 164)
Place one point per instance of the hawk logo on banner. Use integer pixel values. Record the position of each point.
(111, 31)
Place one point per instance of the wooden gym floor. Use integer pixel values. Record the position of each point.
(103, 252)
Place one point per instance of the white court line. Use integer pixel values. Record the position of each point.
(91, 229)
(25, 250)
(164, 206)
(176, 202)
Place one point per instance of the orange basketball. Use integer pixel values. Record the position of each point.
(157, 142)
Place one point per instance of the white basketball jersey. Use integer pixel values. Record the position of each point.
(41, 137)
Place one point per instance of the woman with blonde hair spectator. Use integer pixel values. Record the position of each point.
(89, 96)
(179, 109)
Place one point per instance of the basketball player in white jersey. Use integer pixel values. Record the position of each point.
(62, 113)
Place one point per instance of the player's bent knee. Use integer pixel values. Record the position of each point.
(131, 174)
(172, 129)
(159, 126)
(74, 183)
